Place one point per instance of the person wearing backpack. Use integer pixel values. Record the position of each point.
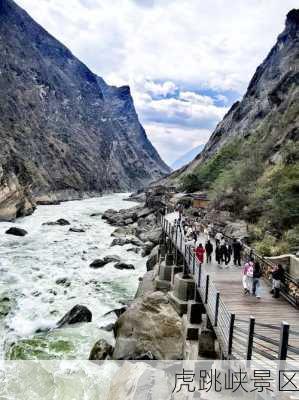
(257, 273)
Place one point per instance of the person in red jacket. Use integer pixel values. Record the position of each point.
(200, 251)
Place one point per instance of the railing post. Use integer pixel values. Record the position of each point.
(216, 308)
(284, 341)
(199, 274)
(230, 335)
(193, 267)
(207, 288)
(250, 338)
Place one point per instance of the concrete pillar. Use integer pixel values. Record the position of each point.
(206, 344)
(179, 259)
(165, 272)
(169, 259)
(184, 289)
(175, 270)
(162, 251)
(195, 312)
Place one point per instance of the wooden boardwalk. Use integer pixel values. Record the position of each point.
(268, 312)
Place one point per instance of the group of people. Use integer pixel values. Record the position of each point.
(226, 250)
(252, 273)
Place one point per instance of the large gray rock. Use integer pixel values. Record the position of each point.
(16, 231)
(60, 221)
(123, 265)
(150, 324)
(124, 231)
(101, 350)
(77, 314)
(152, 259)
(153, 235)
(126, 240)
(98, 263)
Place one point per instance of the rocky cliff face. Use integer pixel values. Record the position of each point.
(270, 106)
(64, 132)
(250, 165)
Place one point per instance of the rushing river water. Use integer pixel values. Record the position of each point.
(30, 267)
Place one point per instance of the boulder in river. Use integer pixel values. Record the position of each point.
(77, 230)
(101, 350)
(16, 231)
(152, 325)
(6, 304)
(112, 258)
(60, 221)
(153, 235)
(63, 281)
(123, 265)
(98, 263)
(77, 314)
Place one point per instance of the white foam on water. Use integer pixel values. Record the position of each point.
(31, 265)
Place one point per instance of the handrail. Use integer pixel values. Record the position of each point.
(225, 323)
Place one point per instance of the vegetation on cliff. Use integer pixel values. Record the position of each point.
(250, 166)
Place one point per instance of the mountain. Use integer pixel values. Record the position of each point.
(250, 165)
(187, 157)
(64, 132)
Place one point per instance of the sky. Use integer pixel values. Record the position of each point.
(186, 61)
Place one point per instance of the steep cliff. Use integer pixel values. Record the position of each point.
(64, 132)
(250, 165)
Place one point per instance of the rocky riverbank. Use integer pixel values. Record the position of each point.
(149, 328)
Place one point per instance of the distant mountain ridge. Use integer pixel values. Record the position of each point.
(64, 132)
(187, 157)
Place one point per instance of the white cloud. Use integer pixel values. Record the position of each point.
(173, 141)
(162, 48)
(160, 89)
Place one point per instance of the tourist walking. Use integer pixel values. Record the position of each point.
(218, 255)
(257, 273)
(225, 250)
(209, 251)
(228, 253)
(218, 237)
(237, 249)
(248, 277)
(277, 279)
(200, 251)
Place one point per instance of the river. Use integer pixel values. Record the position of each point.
(30, 267)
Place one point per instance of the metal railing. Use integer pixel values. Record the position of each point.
(238, 338)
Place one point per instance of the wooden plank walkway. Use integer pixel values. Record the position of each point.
(266, 310)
